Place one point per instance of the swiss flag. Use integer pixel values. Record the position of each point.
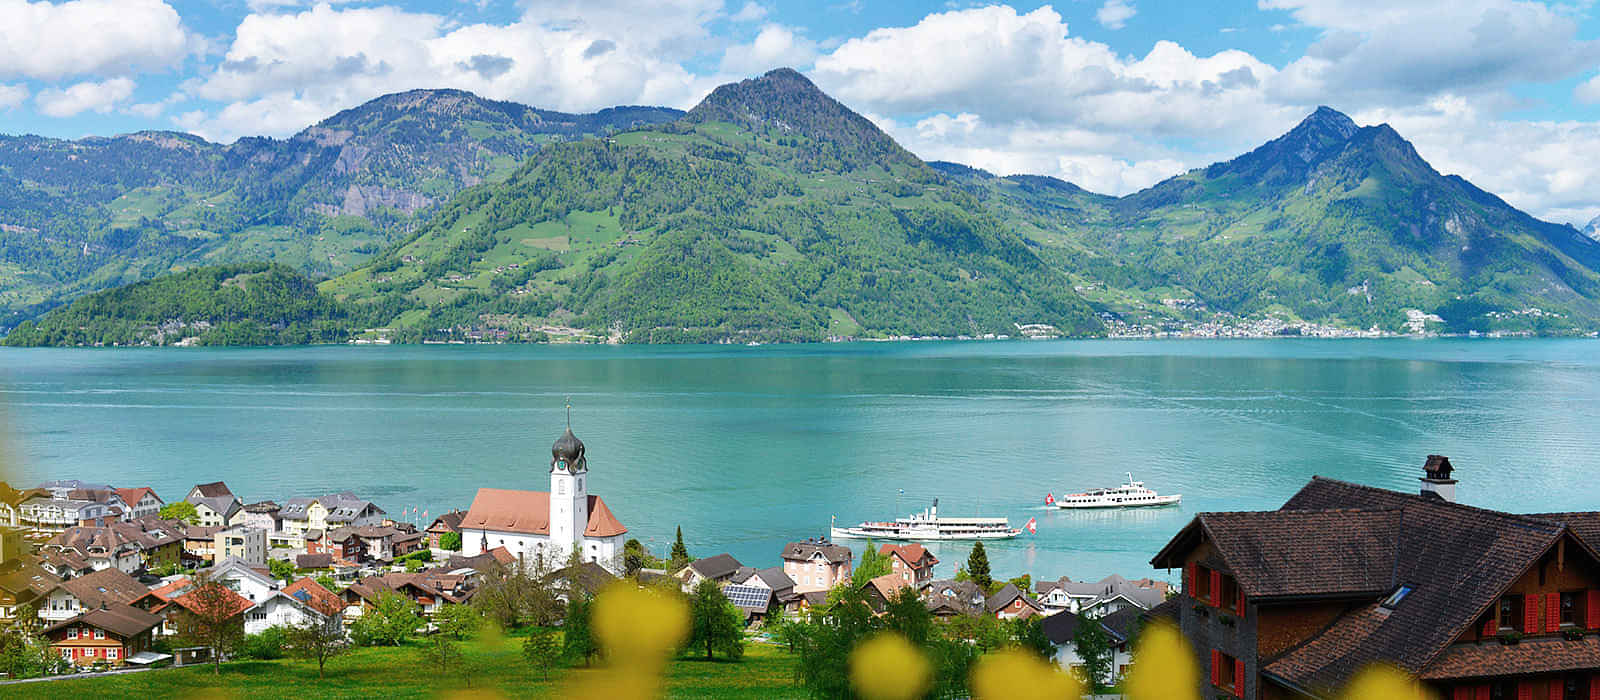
(1032, 526)
(1049, 499)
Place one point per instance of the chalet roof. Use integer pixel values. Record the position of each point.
(965, 591)
(215, 489)
(313, 561)
(805, 551)
(499, 556)
(315, 595)
(342, 507)
(134, 495)
(1299, 552)
(234, 603)
(1456, 558)
(1005, 596)
(887, 585)
(588, 576)
(1546, 655)
(528, 513)
(117, 618)
(717, 567)
(449, 522)
(913, 554)
(103, 586)
(775, 578)
(27, 577)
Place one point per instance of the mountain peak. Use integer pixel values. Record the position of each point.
(1593, 229)
(1289, 157)
(785, 101)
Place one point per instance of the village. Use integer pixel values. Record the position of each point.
(1272, 603)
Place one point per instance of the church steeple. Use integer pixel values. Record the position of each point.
(569, 499)
(567, 452)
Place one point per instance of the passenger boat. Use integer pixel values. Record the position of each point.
(928, 526)
(1130, 495)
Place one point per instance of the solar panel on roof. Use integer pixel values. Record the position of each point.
(754, 597)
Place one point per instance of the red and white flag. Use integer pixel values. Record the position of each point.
(1049, 499)
(1032, 526)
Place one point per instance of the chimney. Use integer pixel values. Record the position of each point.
(1438, 481)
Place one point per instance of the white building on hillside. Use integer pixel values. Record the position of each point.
(547, 524)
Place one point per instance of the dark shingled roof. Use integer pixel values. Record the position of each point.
(720, 566)
(1547, 655)
(804, 551)
(119, 619)
(1458, 560)
(1296, 552)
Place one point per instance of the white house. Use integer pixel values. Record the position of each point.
(247, 544)
(50, 514)
(139, 502)
(547, 524)
(87, 592)
(280, 609)
(1118, 627)
(215, 503)
(254, 583)
(323, 513)
(1103, 597)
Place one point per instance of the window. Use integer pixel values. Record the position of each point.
(72, 633)
(1511, 612)
(99, 634)
(1229, 592)
(112, 653)
(1503, 690)
(1569, 608)
(1574, 688)
(1394, 598)
(1202, 583)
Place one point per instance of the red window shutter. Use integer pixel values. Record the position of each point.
(1524, 690)
(1557, 688)
(1492, 625)
(1461, 692)
(1591, 617)
(1238, 678)
(1530, 613)
(1552, 612)
(1481, 692)
(1188, 580)
(1216, 587)
(1241, 601)
(1594, 687)
(1216, 668)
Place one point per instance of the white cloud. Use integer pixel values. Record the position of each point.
(284, 71)
(86, 96)
(751, 12)
(1115, 14)
(1588, 91)
(12, 96)
(776, 46)
(50, 41)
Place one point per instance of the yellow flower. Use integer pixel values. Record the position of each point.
(1014, 674)
(635, 624)
(1382, 682)
(887, 667)
(1163, 666)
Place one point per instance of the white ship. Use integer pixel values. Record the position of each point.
(928, 526)
(1130, 495)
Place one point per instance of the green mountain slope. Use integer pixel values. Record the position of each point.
(1331, 223)
(771, 212)
(82, 215)
(249, 304)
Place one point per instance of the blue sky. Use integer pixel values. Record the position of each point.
(1114, 95)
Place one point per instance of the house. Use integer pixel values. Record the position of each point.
(253, 582)
(1010, 603)
(482, 563)
(161, 541)
(11, 499)
(817, 564)
(429, 590)
(99, 547)
(719, 569)
(773, 579)
(313, 561)
(282, 609)
(215, 503)
(961, 596)
(23, 582)
(189, 608)
(264, 516)
(589, 577)
(319, 598)
(1474, 603)
(324, 513)
(913, 563)
(112, 634)
(1103, 597)
(882, 589)
(200, 542)
(158, 601)
(539, 525)
(67, 599)
(444, 524)
(140, 502)
(241, 542)
(1119, 628)
(407, 542)
(65, 565)
(51, 514)
(755, 602)
(370, 542)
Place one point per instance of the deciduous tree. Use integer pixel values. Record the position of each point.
(318, 641)
(180, 510)
(211, 616)
(715, 624)
(579, 642)
(542, 651)
(1093, 646)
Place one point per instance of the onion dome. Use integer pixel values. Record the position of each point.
(568, 452)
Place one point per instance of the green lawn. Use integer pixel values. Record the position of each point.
(399, 672)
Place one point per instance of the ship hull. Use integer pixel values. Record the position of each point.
(1102, 505)
(855, 533)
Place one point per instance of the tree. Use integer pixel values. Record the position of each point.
(267, 645)
(23, 653)
(317, 641)
(212, 617)
(1023, 583)
(281, 570)
(714, 622)
(458, 621)
(1093, 646)
(579, 642)
(542, 651)
(824, 642)
(978, 567)
(389, 623)
(680, 553)
(440, 650)
(327, 582)
(515, 594)
(180, 510)
(450, 541)
(635, 557)
(908, 615)
(873, 564)
(1028, 633)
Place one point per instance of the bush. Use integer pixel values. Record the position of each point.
(267, 645)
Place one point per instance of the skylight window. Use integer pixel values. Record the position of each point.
(1394, 598)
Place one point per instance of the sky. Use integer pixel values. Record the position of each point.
(1113, 95)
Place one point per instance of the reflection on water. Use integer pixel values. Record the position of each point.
(748, 448)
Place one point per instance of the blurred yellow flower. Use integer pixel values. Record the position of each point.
(887, 667)
(1382, 682)
(1017, 675)
(635, 624)
(1163, 666)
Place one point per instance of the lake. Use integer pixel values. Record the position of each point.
(750, 447)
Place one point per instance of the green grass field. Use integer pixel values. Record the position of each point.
(400, 672)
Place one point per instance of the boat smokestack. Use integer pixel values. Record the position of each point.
(1438, 481)
(934, 512)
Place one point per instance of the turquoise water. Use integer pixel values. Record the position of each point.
(748, 448)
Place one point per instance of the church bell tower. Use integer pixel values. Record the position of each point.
(569, 495)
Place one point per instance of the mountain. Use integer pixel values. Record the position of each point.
(82, 215)
(249, 304)
(1331, 223)
(770, 212)
(1593, 229)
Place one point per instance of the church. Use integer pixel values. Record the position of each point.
(547, 524)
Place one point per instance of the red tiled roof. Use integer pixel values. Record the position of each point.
(319, 597)
(888, 584)
(912, 554)
(238, 603)
(528, 512)
(1491, 658)
(132, 496)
